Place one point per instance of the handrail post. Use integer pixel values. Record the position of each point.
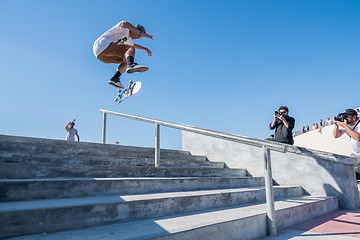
(104, 129)
(157, 145)
(269, 190)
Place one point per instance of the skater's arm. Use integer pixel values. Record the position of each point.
(146, 35)
(143, 48)
(124, 24)
(129, 26)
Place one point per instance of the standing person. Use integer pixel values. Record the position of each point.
(283, 125)
(116, 46)
(71, 132)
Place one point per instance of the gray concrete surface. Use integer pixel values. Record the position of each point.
(320, 173)
(30, 170)
(54, 185)
(68, 213)
(31, 189)
(243, 222)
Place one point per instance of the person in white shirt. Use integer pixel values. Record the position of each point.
(116, 46)
(328, 122)
(71, 132)
(351, 127)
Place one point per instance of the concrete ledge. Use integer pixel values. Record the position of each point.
(320, 173)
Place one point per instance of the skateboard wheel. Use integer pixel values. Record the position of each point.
(115, 100)
(131, 82)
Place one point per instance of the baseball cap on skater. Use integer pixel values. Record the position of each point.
(141, 28)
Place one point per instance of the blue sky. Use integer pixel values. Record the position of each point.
(223, 65)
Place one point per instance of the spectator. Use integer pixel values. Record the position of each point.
(313, 127)
(303, 130)
(307, 128)
(328, 121)
(316, 126)
(283, 125)
(71, 132)
(358, 112)
(322, 123)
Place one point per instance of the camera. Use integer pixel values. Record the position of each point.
(278, 113)
(340, 117)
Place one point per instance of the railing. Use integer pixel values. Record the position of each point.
(265, 145)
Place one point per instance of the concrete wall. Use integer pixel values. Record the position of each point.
(319, 173)
(324, 141)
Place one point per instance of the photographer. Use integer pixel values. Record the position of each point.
(284, 126)
(349, 122)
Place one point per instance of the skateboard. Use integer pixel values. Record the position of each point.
(133, 88)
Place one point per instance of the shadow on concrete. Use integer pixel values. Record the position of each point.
(330, 190)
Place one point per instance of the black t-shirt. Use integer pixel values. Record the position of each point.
(283, 134)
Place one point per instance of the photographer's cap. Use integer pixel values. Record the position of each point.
(350, 112)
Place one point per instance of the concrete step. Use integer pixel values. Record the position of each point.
(236, 222)
(30, 171)
(27, 145)
(52, 158)
(30, 189)
(51, 215)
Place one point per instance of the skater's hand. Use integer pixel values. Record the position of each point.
(148, 52)
(146, 35)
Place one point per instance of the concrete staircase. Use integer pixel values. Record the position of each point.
(52, 189)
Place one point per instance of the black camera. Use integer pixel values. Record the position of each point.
(278, 113)
(340, 117)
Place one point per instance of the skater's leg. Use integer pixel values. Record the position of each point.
(122, 68)
(131, 65)
(130, 55)
(115, 80)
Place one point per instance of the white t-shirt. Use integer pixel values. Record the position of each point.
(116, 33)
(354, 144)
(70, 134)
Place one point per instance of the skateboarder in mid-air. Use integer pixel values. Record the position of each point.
(115, 46)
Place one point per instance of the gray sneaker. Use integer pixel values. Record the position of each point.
(116, 83)
(136, 68)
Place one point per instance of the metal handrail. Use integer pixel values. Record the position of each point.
(265, 145)
(203, 131)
